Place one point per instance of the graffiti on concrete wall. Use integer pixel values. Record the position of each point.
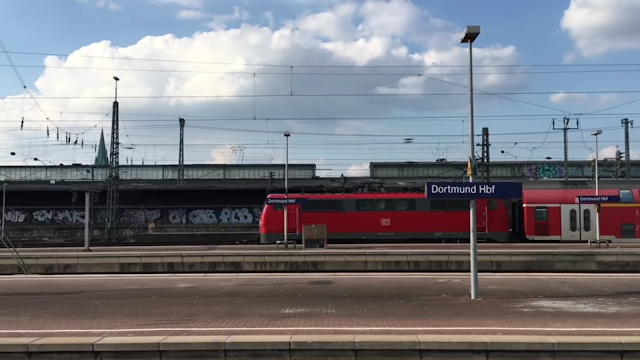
(544, 171)
(58, 216)
(140, 216)
(186, 216)
(214, 216)
(14, 216)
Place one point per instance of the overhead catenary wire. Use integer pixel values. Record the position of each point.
(131, 117)
(316, 73)
(130, 58)
(90, 97)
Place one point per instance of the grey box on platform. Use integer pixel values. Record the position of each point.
(314, 236)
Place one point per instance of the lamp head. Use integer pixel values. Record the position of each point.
(596, 133)
(471, 32)
(287, 134)
(116, 78)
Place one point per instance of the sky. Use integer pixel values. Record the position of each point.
(352, 81)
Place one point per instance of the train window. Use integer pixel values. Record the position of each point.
(627, 231)
(386, 205)
(366, 205)
(492, 204)
(573, 220)
(626, 196)
(458, 204)
(322, 205)
(405, 205)
(278, 207)
(541, 214)
(452, 205)
(586, 220)
(438, 204)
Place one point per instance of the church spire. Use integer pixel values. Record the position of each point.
(102, 159)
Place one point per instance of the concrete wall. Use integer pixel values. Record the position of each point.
(60, 223)
(316, 347)
(160, 215)
(319, 261)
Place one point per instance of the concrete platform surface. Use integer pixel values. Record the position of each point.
(299, 304)
(449, 248)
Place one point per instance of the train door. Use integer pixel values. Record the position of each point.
(293, 220)
(517, 218)
(637, 225)
(570, 221)
(578, 222)
(588, 221)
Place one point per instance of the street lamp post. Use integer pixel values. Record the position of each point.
(470, 34)
(596, 134)
(286, 189)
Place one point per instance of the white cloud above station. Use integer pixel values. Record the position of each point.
(212, 74)
(601, 26)
(583, 100)
(609, 153)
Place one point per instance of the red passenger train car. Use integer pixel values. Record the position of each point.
(389, 216)
(555, 215)
(541, 215)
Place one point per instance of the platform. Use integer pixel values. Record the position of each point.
(319, 347)
(314, 316)
(386, 258)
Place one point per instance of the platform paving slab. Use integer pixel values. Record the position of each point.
(193, 343)
(55, 344)
(323, 342)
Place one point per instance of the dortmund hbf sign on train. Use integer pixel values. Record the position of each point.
(473, 190)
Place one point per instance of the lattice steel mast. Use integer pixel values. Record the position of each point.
(111, 221)
(181, 154)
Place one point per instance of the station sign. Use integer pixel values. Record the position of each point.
(591, 199)
(473, 190)
(288, 201)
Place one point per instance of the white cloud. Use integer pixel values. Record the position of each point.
(333, 24)
(358, 170)
(191, 14)
(600, 26)
(104, 4)
(215, 63)
(610, 153)
(184, 3)
(219, 22)
(586, 100)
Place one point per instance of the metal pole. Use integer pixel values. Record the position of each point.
(286, 191)
(4, 202)
(597, 193)
(87, 218)
(473, 248)
(627, 149)
(93, 206)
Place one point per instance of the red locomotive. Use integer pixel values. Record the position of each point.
(541, 215)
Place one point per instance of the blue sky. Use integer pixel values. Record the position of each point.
(338, 133)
